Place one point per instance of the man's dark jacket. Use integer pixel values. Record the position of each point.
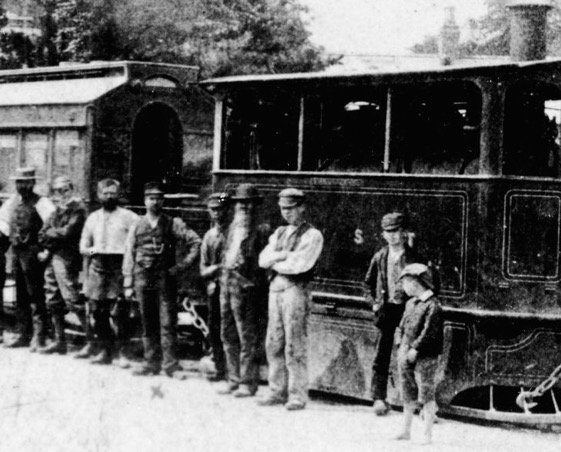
(376, 280)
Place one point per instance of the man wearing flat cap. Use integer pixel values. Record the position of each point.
(384, 292)
(60, 238)
(242, 284)
(150, 270)
(21, 218)
(103, 244)
(290, 256)
(210, 265)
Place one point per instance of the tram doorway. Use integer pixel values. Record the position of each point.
(157, 149)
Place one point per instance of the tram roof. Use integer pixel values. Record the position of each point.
(80, 83)
(452, 71)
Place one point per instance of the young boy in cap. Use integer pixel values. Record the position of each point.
(21, 218)
(290, 256)
(60, 237)
(384, 292)
(150, 271)
(420, 338)
(211, 257)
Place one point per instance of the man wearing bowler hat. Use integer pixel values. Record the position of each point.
(290, 257)
(210, 265)
(60, 237)
(241, 288)
(150, 270)
(21, 218)
(385, 293)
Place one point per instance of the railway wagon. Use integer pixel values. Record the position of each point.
(472, 156)
(132, 121)
(129, 120)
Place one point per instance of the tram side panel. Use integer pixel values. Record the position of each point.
(342, 333)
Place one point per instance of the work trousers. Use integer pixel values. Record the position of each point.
(2, 282)
(214, 333)
(157, 295)
(111, 323)
(30, 299)
(382, 358)
(61, 286)
(287, 343)
(238, 308)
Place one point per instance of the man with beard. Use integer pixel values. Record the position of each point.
(60, 237)
(210, 265)
(150, 269)
(103, 245)
(21, 219)
(241, 288)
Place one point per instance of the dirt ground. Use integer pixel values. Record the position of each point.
(57, 403)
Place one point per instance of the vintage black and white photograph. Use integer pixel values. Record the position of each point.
(280, 225)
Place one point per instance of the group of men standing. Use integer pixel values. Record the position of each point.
(128, 257)
(238, 263)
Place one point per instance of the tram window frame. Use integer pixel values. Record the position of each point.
(421, 148)
(333, 140)
(251, 139)
(9, 157)
(523, 131)
(305, 147)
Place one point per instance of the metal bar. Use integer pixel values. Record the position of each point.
(388, 131)
(554, 400)
(301, 135)
(218, 135)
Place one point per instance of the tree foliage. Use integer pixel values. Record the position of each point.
(221, 36)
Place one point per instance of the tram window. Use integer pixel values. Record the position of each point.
(261, 132)
(345, 131)
(35, 154)
(531, 132)
(8, 158)
(69, 157)
(435, 129)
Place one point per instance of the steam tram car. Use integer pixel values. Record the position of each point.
(472, 155)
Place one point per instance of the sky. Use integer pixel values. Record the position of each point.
(381, 26)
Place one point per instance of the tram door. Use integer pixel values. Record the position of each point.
(157, 149)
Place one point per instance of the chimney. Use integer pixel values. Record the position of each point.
(449, 37)
(528, 28)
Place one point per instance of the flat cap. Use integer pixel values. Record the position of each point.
(419, 271)
(153, 188)
(394, 220)
(217, 200)
(291, 197)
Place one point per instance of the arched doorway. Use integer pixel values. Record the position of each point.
(157, 149)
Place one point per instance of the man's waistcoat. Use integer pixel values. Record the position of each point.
(25, 223)
(290, 243)
(155, 247)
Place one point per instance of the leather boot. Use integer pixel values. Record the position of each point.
(86, 352)
(59, 344)
(37, 342)
(103, 357)
(18, 341)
